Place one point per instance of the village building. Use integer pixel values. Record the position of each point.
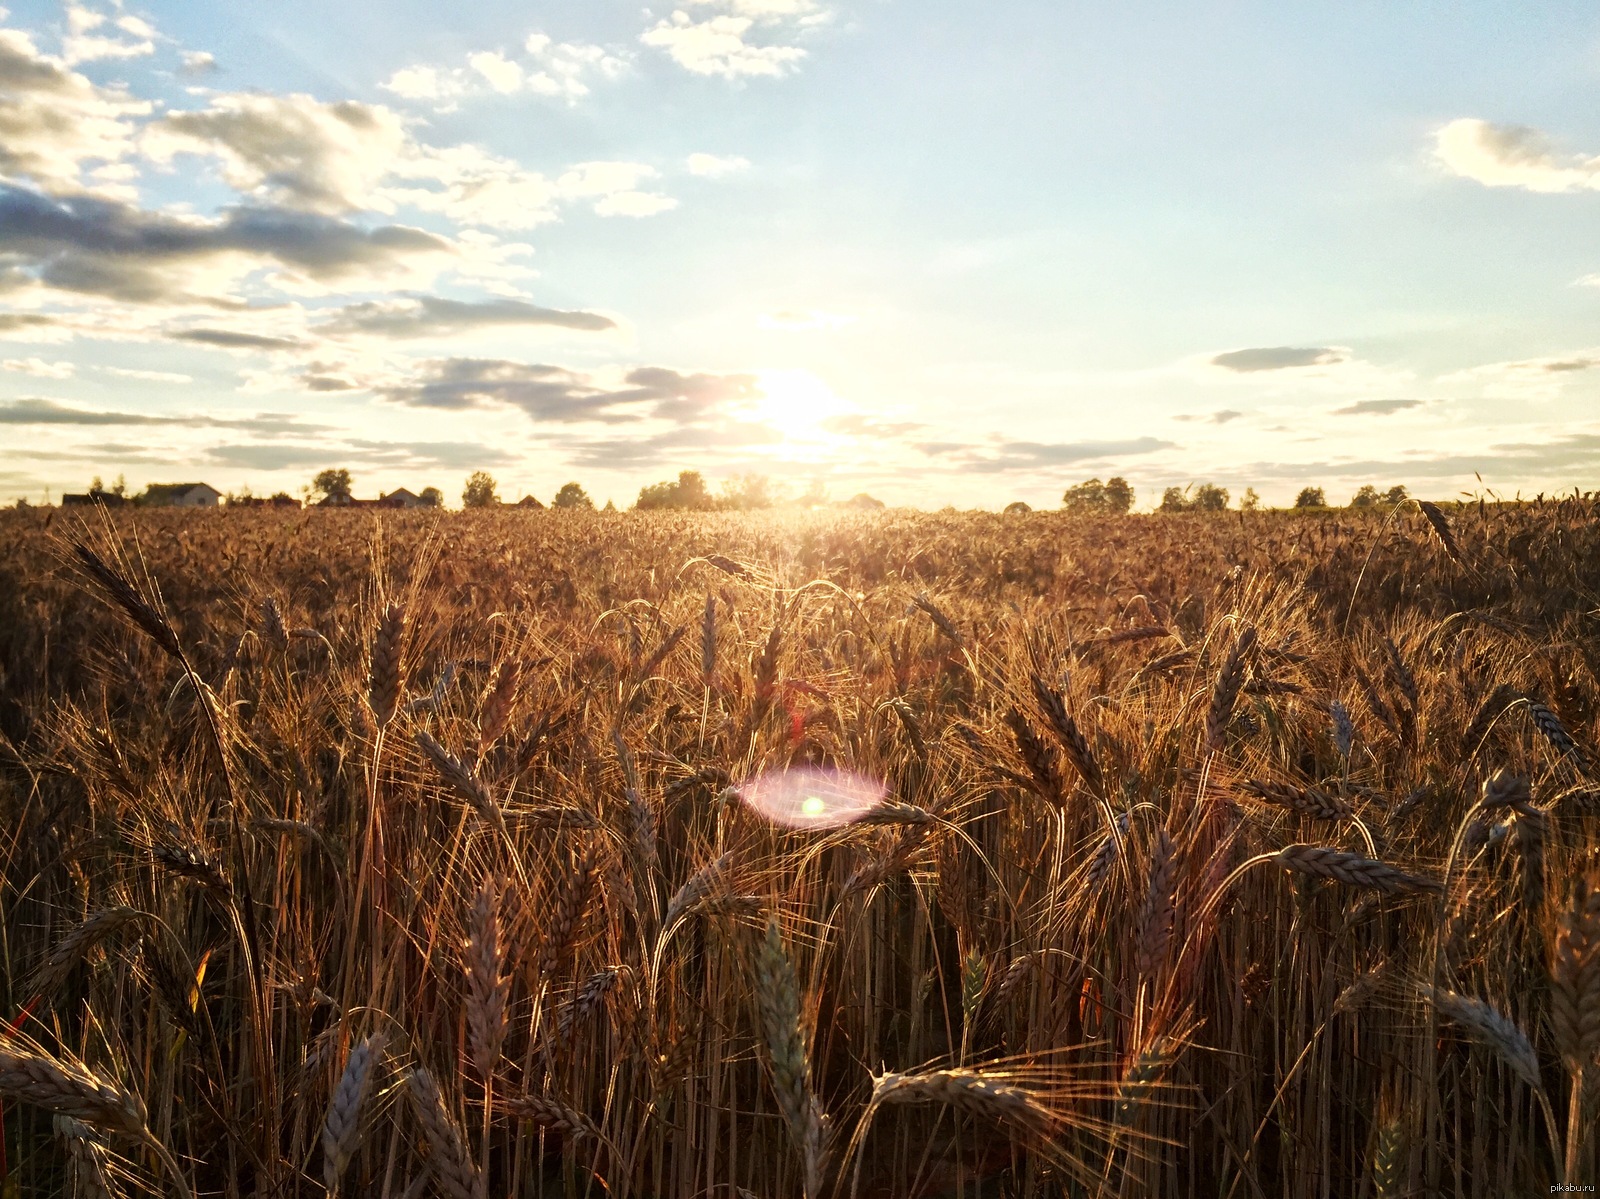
(182, 495)
(109, 498)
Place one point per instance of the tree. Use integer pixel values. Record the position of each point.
(572, 496)
(745, 492)
(1396, 494)
(479, 491)
(1367, 497)
(1249, 501)
(1311, 497)
(1208, 497)
(1173, 499)
(1093, 498)
(688, 492)
(432, 497)
(1118, 495)
(332, 483)
(1085, 499)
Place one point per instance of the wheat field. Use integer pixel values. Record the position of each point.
(403, 855)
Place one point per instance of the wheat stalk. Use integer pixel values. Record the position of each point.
(451, 1166)
(1351, 869)
(383, 675)
(341, 1127)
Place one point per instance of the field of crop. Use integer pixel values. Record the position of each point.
(1236, 855)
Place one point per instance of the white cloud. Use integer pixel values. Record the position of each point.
(718, 46)
(711, 166)
(292, 149)
(547, 68)
(53, 121)
(1513, 156)
(198, 62)
(418, 83)
(83, 44)
(501, 73)
(39, 367)
(147, 376)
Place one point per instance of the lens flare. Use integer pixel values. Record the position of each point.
(808, 797)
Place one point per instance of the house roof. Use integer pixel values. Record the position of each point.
(158, 489)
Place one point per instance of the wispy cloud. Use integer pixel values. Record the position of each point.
(431, 316)
(1038, 455)
(745, 39)
(1277, 358)
(542, 67)
(1376, 407)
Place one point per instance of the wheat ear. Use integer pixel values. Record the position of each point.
(341, 1127)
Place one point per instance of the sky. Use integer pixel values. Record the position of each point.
(948, 254)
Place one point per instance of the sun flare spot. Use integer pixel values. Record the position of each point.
(798, 404)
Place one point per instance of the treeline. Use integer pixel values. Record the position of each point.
(1115, 497)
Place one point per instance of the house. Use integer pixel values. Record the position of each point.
(402, 498)
(529, 501)
(340, 500)
(109, 498)
(182, 495)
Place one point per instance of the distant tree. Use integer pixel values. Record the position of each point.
(1311, 497)
(814, 496)
(1366, 497)
(1174, 499)
(332, 482)
(1249, 501)
(282, 497)
(120, 487)
(432, 497)
(610, 507)
(1085, 499)
(1017, 507)
(1118, 496)
(689, 491)
(864, 502)
(1208, 497)
(572, 496)
(96, 487)
(480, 491)
(742, 493)
(1396, 494)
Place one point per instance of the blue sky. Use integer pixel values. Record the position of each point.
(943, 253)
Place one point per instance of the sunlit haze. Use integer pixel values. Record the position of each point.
(939, 253)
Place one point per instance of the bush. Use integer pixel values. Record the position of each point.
(1311, 497)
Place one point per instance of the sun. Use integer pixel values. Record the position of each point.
(797, 404)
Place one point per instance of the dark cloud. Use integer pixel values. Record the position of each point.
(49, 412)
(418, 454)
(105, 247)
(1036, 455)
(1570, 364)
(1376, 407)
(427, 316)
(692, 442)
(38, 411)
(231, 339)
(1220, 417)
(1277, 358)
(554, 393)
(327, 383)
(10, 322)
